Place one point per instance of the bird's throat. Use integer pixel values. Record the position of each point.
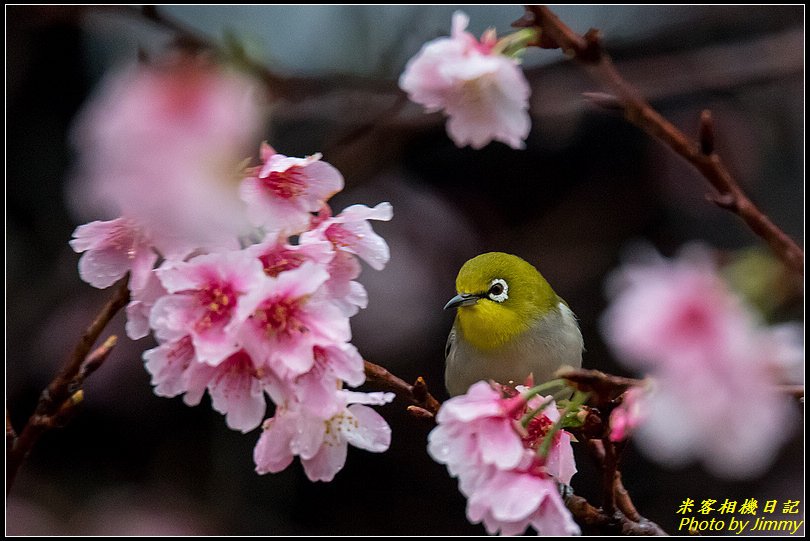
(487, 326)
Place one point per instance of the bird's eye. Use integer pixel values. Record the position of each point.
(498, 290)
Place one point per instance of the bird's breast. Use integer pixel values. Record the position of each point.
(549, 343)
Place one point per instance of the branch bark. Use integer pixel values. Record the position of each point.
(58, 401)
(588, 50)
(423, 404)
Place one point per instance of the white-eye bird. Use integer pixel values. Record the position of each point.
(509, 324)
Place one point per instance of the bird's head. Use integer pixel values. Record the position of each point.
(499, 297)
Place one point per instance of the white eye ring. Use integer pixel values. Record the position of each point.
(498, 290)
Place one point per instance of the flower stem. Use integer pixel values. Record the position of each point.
(536, 390)
(576, 402)
(515, 43)
(526, 419)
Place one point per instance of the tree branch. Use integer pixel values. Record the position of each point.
(58, 401)
(617, 523)
(588, 50)
(423, 404)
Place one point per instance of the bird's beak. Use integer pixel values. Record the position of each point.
(464, 299)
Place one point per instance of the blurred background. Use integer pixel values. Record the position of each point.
(588, 186)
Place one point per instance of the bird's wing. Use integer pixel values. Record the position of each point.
(451, 343)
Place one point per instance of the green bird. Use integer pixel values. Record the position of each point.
(509, 324)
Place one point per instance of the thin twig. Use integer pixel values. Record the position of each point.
(587, 49)
(417, 394)
(61, 396)
(94, 361)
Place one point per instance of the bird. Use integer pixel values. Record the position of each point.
(509, 325)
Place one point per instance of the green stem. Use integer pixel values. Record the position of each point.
(516, 43)
(524, 421)
(534, 391)
(576, 402)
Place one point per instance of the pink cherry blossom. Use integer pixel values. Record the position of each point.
(322, 443)
(205, 294)
(475, 429)
(508, 485)
(176, 371)
(559, 462)
(484, 94)
(281, 319)
(278, 256)
(714, 396)
(627, 415)
(236, 392)
(162, 143)
(341, 288)
(283, 192)
(140, 306)
(350, 232)
(315, 389)
(234, 385)
(112, 249)
(509, 501)
(480, 428)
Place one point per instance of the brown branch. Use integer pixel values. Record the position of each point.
(604, 388)
(423, 403)
(623, 501)
(57, 402)
(617, 523)
(620, 514)
(587, 49)
(796, 391)
(610, 467)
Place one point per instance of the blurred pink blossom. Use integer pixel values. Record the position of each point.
(112, 249)
(715, 367)
(163, 144)
(205, 294)
(282, 193)
(322, 443)
(484, 94)
(627, 415)
(508, 485)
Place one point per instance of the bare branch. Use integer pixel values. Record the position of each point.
(617, 523)
(417, 394)
(604, 388)
(588, 51)
(58, 401)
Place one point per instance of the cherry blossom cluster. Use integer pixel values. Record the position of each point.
(715, 367)
(477, 83)
(486, 440)
(245, 304)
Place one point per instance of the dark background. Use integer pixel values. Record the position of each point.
(588, 186)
